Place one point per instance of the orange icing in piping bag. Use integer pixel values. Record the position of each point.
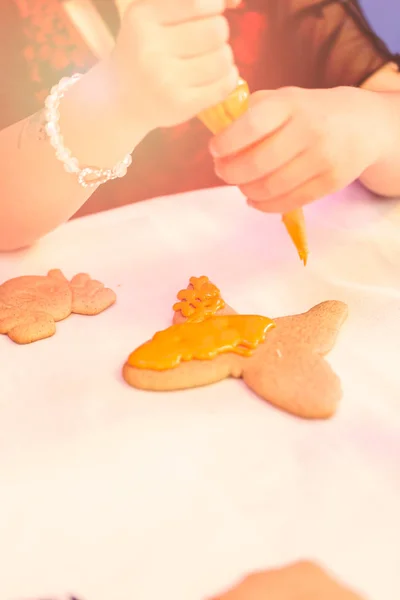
(296, 227)
(216, 119)
(200, 300)
(203, 340)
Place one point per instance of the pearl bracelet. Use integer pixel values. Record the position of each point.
(87, 176)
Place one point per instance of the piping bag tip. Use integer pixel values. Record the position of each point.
(296, 227)
(303, 257)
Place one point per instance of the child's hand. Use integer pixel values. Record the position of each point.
(173, 59)
(294, 145)
(299, 581)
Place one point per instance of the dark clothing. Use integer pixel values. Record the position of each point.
(277, 43)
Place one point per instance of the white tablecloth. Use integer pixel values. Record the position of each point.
(114, 494)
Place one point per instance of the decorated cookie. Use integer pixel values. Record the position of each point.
(199, 300)
(282, 361)
(31, 305)
(299, 581)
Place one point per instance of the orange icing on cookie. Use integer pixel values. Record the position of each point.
(203, 340)
(201, 300)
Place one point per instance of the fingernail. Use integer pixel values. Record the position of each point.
(214, 152)
(217, 169)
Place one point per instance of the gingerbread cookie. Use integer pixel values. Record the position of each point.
(31, 305)
(299, 581)
(282, 361)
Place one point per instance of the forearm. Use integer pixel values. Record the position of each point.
(383, 177)
(37, 194)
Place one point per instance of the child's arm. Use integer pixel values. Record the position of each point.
(37, 194)
(384, 177)
(171, 61)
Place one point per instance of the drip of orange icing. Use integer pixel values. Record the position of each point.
(200, 300)
(203, 340)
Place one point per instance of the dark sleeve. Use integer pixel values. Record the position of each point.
(328, 43)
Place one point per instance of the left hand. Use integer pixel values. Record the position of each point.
(298, 581)
(295, 145)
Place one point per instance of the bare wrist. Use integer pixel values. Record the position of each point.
(384, 123)
(94, 121)
(382, 176)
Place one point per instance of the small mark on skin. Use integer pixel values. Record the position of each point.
(33, 128)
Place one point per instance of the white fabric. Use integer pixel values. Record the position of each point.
(112, 494)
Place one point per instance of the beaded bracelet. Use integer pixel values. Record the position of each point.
(87, 176)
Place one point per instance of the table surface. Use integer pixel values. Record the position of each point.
(111, 493)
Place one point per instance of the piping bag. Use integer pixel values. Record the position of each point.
(221, 116)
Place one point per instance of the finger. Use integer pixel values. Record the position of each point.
(266, 114)
(196, 38)
(290, 176)
(265, 157)
(309, 191)
(201, 98)
(173, 12)
(209, 68)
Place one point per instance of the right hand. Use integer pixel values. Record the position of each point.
(173, 59)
